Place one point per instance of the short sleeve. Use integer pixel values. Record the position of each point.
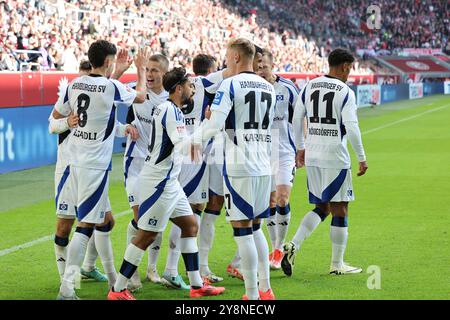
(224, 96)
(123, 95)
(349, 108)
(212, 81)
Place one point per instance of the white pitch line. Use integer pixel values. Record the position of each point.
(406, 119)
(4, 252)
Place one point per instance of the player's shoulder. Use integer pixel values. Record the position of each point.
(247, 79)
(287, 84)
(131, 84)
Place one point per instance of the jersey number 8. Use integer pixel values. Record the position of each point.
(83, 105)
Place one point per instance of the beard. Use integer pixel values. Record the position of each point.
(186, 99)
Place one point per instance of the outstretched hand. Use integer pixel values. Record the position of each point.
(142, 57)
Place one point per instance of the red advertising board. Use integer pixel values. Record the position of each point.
(41, 88)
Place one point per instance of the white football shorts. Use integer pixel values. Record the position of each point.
(132, 166)
(283, 173)
(159, 202)
(329, 185)
(247, 198)
(194, 180)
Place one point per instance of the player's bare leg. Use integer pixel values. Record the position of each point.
(103, 244)
(262, 248)
(339, 236)
(309, 223)
(206, 235)
(63, 228)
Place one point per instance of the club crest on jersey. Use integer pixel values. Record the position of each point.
(152, 222)
(280, 97)
(218, 97)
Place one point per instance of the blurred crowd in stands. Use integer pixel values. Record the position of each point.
(55, 34)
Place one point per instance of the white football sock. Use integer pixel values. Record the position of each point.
(249, 261)
(189, 250)
(271, 223)
(131, 260)
(282, 221)
(206, 237)
(91, 256)
(173, 255)
(61, 254)
(338, 236)
(309, 223)
(132, 231)
(76, 252)
(263, 260)
(105, 251)
(153, 251)
(236, 262)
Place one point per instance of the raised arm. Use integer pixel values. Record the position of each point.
(123, 63)
(141, 61)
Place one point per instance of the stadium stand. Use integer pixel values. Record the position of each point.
(58, 32)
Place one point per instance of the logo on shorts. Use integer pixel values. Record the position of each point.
(102, 214)
(153, 222)
(350, 193)
(280, 97)
(63, 206)
(203, 195)
(130, 199)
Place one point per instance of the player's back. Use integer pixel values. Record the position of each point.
(248, 126)
(324, 99)
(94, 99)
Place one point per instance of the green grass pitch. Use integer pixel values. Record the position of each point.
(399, 221)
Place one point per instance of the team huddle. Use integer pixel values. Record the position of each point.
(196, 143)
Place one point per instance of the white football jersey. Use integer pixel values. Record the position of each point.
(141, 119)
(249, 102)
(62, 158)
(327, 102)
(167, 130)
(94, 99)
(287, 94)
(205, 89)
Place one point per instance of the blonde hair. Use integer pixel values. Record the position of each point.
(244, 47)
